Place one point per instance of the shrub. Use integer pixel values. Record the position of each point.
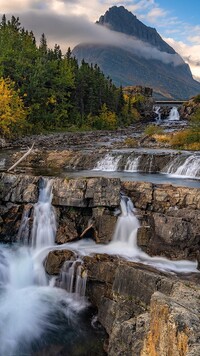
(151, 130)
(186, 138)
(130, 142)
(164, 138)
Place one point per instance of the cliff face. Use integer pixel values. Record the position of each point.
(134, 67)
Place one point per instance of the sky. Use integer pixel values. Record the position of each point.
(70, 22)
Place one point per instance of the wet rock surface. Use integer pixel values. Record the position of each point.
(170, 218)
(144, 311)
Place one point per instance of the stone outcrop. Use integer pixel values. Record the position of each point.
(190, 107)
(144, 311)
(56, 259)
(170, 218)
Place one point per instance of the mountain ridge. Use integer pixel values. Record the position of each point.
(128, 68)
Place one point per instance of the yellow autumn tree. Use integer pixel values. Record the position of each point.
(12, 112)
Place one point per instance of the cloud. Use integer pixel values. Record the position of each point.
(67, 31)
(155, 14)
(69, 22)
(190, 53)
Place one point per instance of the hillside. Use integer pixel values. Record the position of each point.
(161, 68)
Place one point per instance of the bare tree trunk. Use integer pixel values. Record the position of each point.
(21, 159)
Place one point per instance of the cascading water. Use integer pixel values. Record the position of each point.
(32, 313)
(174, 114)
(73, 278)
(132, 165)
(108, 163)
(185, 167)
(44, 223)
(157, 112)
(124, 244)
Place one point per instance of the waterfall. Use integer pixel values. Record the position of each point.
(184, 167)
(127, 224)
(125, 243)
(157, 112)
(32, 312)
(73, 278)
(44, 223)
(132, 165)
(174, 114)
(24, 230)
(108, 163)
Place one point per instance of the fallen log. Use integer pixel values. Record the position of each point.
(21, 159)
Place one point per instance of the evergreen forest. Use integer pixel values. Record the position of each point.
(42, 89)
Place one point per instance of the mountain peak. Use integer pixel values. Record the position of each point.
(119, 19)
(148, 61)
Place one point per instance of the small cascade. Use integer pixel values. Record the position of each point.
(127, 224)
(151, 158)
(184, 167)
(24, 231)
(73, 278)
(132, 165)
(44, 223)
(108, 163)
(4, 269)
(157, 112)
(174, 114)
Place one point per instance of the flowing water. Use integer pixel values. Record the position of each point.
(184, 167)
(35, 316)
(174, 114)
(124, 244)
(108, 163)
(157, 112)
(179, 166)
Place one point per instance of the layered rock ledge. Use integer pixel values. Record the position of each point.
(169, 215)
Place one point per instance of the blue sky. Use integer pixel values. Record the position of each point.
(69, 22)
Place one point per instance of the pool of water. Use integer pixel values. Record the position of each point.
(136, 176)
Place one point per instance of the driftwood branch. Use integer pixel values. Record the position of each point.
(21, 159)
(84, 231)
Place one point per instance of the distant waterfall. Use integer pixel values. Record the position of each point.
(184, 167)
(174, 114)
(108, 163)
(157, 112)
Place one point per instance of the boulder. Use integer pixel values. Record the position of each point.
(55, 260)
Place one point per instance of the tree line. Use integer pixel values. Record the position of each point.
(44, 89)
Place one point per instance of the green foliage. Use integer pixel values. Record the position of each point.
(12, 111)
(57, 92)
(151, 130)
(197, 99)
